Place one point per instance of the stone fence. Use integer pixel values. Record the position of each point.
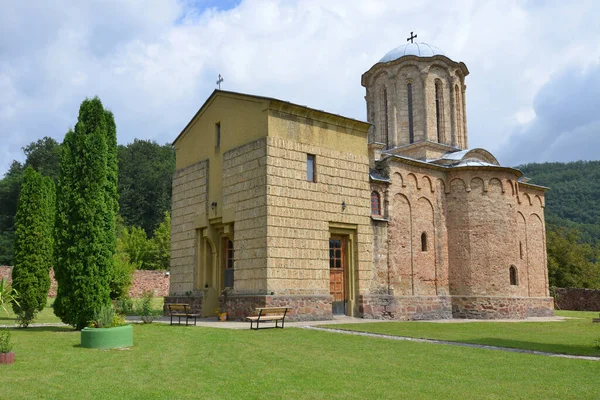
(576, 299)
(142, 280)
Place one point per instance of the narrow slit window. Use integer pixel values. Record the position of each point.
(310, 168)
(375, 203)
(218, 134)
(386, 122)
(228, 271)
(411, 134)
(439, 109)
(514, 278)
(423, 241)
(521, 250)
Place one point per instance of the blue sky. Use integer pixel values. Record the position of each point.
(532, 94)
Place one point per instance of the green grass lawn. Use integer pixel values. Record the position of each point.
(573, 336)
(47, 314)
(193, 362)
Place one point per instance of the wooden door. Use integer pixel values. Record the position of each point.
(338, 270)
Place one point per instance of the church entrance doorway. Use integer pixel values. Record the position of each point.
(338, 273)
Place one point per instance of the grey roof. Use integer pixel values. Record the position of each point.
(412, 49)
(376, 176)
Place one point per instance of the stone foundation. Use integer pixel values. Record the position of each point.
(381, 306)
(474, 307)
(303, 308)
(194, 300)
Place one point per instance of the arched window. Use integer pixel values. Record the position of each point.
(514, 278)
(423, 241)
(411, 134)
(439, 110)
(385, 118)
(375, 203)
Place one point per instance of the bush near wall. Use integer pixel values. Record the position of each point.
(157, 281)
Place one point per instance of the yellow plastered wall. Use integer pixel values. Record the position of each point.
(243, 119)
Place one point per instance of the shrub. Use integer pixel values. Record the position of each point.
(5, 344)
(106, 317)
(122, 276)
(103, 317)
(124, 306)
(7, 295)
(145, 308)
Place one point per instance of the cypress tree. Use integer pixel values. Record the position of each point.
(33, 245)
(84, 233)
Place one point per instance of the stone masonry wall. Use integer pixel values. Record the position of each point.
(387, 102)
(303, 308)
(301, 215)
(577, 299)
(473, 307)
(244, 190)
(188, 202)
(157, 281)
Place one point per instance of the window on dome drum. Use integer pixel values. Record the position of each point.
(439, 110)
(386, 121)
(514, 281)
(458, 113)
(423, 241)
(310, 167)
(411, 135)
(375, 203)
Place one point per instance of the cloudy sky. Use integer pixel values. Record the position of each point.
(533, 93)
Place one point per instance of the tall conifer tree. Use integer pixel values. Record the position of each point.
(85, 216)
(33, 245)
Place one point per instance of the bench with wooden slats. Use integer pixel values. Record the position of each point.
(268, 314)
(181, 310)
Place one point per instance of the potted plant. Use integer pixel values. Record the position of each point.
(108, 330)
(7, 356)
(221, 315)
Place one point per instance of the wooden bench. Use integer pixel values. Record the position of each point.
(268, 314)
(182, 310)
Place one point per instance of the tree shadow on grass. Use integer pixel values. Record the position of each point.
(558, 348)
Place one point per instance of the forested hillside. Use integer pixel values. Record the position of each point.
(144, 190)
(573, 200)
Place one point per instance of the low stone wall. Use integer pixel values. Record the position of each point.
(383, 306)
(158, 281)
(577, 299)
(479, 307)
(303, 308)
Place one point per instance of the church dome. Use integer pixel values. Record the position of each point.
(412, 49)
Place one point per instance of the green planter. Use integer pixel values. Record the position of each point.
(107, 338)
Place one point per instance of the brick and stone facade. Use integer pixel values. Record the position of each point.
(265, 190)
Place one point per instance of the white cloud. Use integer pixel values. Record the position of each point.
(154, 63)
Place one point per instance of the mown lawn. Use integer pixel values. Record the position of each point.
(47, 314)
(193, 362)
(573, 336)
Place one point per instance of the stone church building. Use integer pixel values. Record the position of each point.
(278, 204)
